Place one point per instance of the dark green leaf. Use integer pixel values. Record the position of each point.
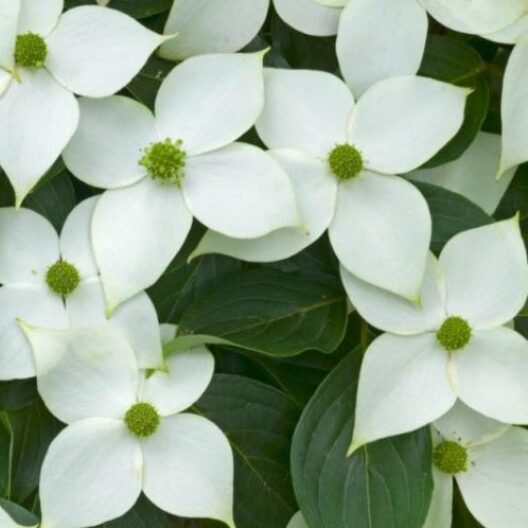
(451, 60)
(387, 484)
(259, 422)
(452, 213)
(17, 394)
(143, 515)
(134, 8)
(273, 312)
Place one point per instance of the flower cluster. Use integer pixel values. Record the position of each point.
(237, 153)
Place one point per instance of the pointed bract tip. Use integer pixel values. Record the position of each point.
(109, 310)
(263, 52)
(354, 446)
(26, 327)
(165, 38)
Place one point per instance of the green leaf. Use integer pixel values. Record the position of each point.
(272, 312)
(259, 422)
(451, 60)
(387, 484)
(19, 514)
(451, 212)
(17, 394)
(143, 515)
(134, 8)
(54, 200)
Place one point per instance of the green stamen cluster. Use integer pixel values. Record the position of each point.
(30, 50)
(345, 161)
(142, 419)
(165, 161)
(62, 278)
(450, 457)
(454, 333)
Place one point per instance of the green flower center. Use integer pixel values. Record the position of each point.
(454, 333)
(165, 161)
(62, 278)
(345, 161)
(142, 419)
(450, 457)
(30, 50)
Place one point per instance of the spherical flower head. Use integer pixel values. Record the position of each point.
(345, 161)
(450, 457)
(30, 50)
(142, 419)
(165, 161)
(454, 333)
(62, 278)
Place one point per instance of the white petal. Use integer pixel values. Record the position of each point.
(96, 51)
(494, 489)
(76, 239)
(333, 3)
(309, 16)
(297, 521)
(440, 511)
(188, 373)
(8, 30)
(392, 313)
(106, 148)
(5, 81)
(28, 246)
(510, 34)
(35, 306)
(315, 192)
(37, 119)
(473, 175)
(381, 232)
(304, 110)
(402, 122)
(477, 16)
(212, 27)
(492, 375)
(513, 109)
(7, 522)
(136, 319)
(84, 373)
(240, 191)
(91, 474)
(189, 469)
(39, 16)
(147, 218)
(462, 424)
(403, 385)
(211, 100)
(486, 274)
(378, 39)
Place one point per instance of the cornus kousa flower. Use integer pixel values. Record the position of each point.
(454, 346)
(54, 282)
(488, 460)
(377, 39)
(164, 170)
(45, 58)
(126, 432)
(341, 157)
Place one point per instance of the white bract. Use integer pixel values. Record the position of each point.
(474, 174)
(45, 58)
(212, 26)
(54, 282)
(454, 346)
(342, 157)
(183, 162)
(489, 462)
(127, 432)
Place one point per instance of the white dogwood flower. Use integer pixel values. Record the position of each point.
(127, 432)
(54, 282)
(489, 462)
(474, 174)
(454, 346)
(342, 157)
(183, 162)
(377, 39)
(45, 58)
